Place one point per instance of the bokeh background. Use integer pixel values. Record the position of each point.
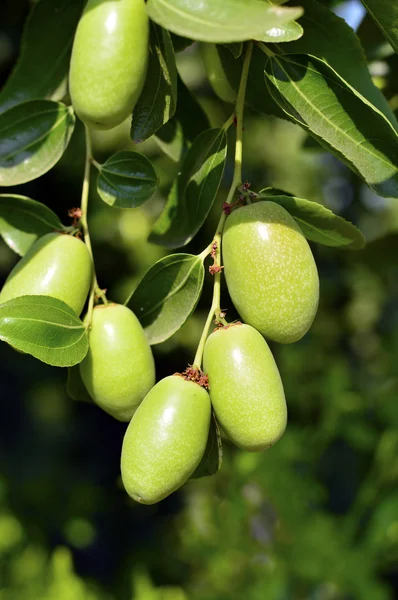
(315, 517)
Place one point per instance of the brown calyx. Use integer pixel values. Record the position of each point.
(195, 375)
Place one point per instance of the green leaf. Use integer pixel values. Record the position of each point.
(212, 458)
(284, 33)
(23, 220)
(318, 223)
(313, 95)
(193, 192)
(42, 67)
(322, 30)
(372, 40)
(158, 99)
(180, 43)
(75, 387)
(44, 327)
(33, 137)
(177, 135)
(167, 295)
(127, 180)
(385, 13)
(221, 20)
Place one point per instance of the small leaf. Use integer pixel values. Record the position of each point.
(194, 190)
(23, 220)
(385, 14)
(33, 137)
(212, 458)
(44, 327)
(127, 180)
(315, 97)
(75, 386)
(220, 20)
(177, 135)
(158, 99)
(42, 67)
(167, 295)
(318, 223)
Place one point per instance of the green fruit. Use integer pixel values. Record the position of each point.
(270, 271)
(246, 390)
(56, 265)
(109, 61)
(165, 440)
(215, 70)
(119, 368)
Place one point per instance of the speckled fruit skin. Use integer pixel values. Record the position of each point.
(56, 265)
(245, 387)
(109, 61)
(165, 440)
(270, 271)
(118, 370)
(215, 73)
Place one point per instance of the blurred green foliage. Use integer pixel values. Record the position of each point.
(315, 517)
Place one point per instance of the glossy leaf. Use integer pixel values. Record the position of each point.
(33, 137)
(158, 99)
(212, 458)
(23, 220)
(75, 386)
(194, 190)
(313, 95)
(167, 295)
(44, 327)
(318, 223)
(43, 64)
(127, 180)
(284, 33)
(221, 20)
(385, 13)
(177, 135)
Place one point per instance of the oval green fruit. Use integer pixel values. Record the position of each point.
(246, 390)
(165, 439)
(215, 70)
(109, 61)
(270, 271)
(118, 370)
(56, 265)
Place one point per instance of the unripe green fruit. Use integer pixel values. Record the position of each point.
(216, 73)
(270, 271)
(118, 369)
(246, 390)
(109, 61)
(165, 440)
(56, 265)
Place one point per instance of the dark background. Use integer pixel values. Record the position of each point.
(314, 518)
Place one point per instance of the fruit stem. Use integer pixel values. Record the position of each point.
(215, 309)
(95, 289)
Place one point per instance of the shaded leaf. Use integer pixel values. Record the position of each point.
(43, 64)
(167, 295)
(23, 220)
(318, 223)
(180, 42)
(385, 14)
(194, 190)
(75, 386)
(127, 180)
(158, 99)
(235, 48)
(212, 458)
(33, 137)
(221, 20)
(315, 97)
(44, 327)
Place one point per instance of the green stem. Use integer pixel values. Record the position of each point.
(95, 289)
(215, 309)
(265, 49)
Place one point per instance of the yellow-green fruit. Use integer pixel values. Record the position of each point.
(56, 265)
(270, 271)
(118, 370)
(165, 440)
(246, 390)
(109, 61)
(215, 71)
